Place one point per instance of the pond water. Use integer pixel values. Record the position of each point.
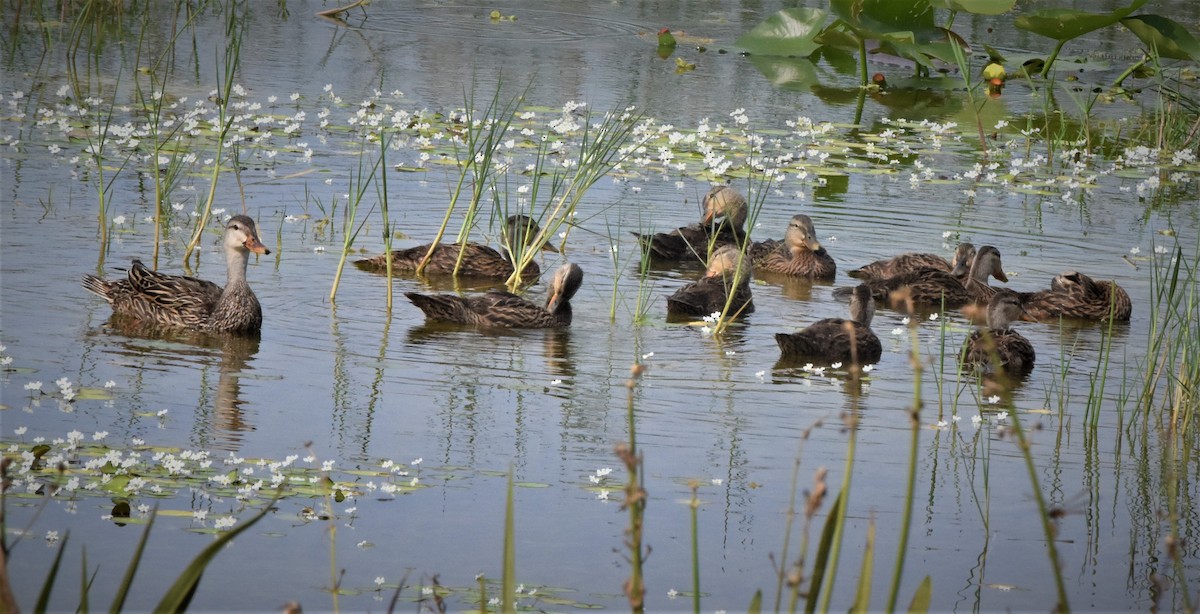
(421, 424)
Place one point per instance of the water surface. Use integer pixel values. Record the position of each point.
(356, 385)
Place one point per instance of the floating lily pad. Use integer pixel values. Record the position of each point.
(788, 33)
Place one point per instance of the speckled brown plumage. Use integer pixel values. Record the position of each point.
(835, 339)
(503, 309)
(477, 260)
(908, 263)
(799, 254)
(997, 344)
(934, 287)
(729, 270)
(187, 302)
(1075, 295)
(724, 216)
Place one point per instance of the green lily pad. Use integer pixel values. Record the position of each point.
(875, 18)
(979, 7)
(790, 32)
(1164, 36)
(1066, 24)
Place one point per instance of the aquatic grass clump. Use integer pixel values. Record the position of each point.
(600, 147)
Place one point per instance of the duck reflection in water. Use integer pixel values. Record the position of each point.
(234, 353)
(449, 340)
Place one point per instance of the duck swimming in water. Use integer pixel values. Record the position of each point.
(503, 309)
(477, 260)
(934, 287)
(1075, 295)
(799, 254)
(180, 301)
(836, 340)
(724, 216)
(999, 345)
(728, 272)
(908, 263)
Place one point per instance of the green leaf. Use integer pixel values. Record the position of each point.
(862, 598)
(790, 32)
(875, 18)
(793, 74)
(127, 581)
(922, 598)
(44, 597)
(755, 603)
(1164, 36)
(823, 551)
(180, 593)
(1066, 24)
(979, 7)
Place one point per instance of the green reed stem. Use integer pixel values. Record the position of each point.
(484, 135)
(360, 180)
(1048, 527)
(508, 573)
(756, 193)
(911, 484)
(862, 597)
(234, 30)
(839, 517)
(383, 208)
(600, 149)
(694, 506)
(964, 71)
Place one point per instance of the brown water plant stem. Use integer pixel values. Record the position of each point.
(635, 501)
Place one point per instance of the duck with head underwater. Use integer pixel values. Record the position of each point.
(724, 216)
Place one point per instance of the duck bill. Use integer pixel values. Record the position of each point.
(998, 273)
(549, 248)
(256, 246)
(812, 244)
(553, 299)
(960, 269)
(708, 218)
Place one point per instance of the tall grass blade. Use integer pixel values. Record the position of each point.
(122, 592)
(862, 598)
(823, 551)
(922, 598)
(180, 594)
(83, 583)
(755, 603)
(508, 580)
(48, 586)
